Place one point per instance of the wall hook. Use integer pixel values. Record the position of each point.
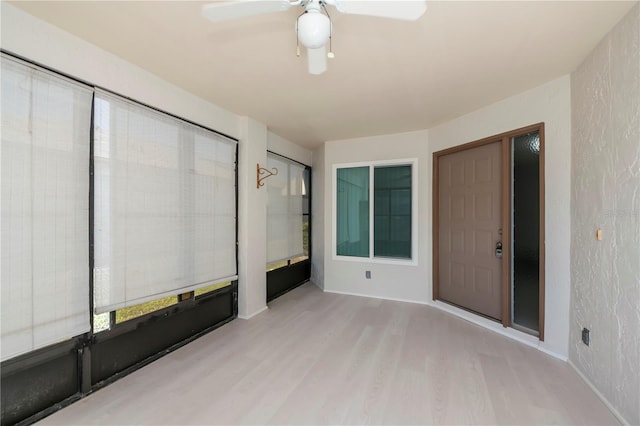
(262, 171)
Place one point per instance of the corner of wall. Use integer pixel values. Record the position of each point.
(281, 146)
(318, 203)
(252, 219)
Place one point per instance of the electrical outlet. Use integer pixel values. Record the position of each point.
(367, 274)
(585, 336)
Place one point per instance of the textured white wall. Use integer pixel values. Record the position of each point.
(606, 194)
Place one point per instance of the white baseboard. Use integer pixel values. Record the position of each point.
(606, 402)
(511, 333)
(375, 297)
(248, 317)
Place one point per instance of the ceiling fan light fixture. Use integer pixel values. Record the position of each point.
(314, 29)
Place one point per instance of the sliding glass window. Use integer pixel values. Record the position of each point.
(353, 212)
(392, 211)
(385, 229)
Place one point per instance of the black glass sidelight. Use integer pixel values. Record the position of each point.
(525, 264)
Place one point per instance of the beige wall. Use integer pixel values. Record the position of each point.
(605, 274)
(388, 280)
(549, 103)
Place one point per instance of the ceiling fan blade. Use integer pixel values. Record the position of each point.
(408, 10)
(317, 60)
(225, 11)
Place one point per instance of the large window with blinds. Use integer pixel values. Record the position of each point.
(288, 225)
(46, 124)
(165, 205)
(287, 216)
(163, 211)
(110, 208)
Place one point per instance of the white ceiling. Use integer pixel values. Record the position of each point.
(387, 77)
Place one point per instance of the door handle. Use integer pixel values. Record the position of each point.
(499, 249)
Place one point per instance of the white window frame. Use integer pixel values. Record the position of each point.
(413, 261)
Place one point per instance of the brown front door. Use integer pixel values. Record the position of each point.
(469, 228)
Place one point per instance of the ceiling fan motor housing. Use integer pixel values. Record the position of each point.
(314, 29)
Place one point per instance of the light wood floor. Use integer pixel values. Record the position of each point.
(316, 358)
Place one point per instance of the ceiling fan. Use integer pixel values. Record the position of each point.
(313, 26)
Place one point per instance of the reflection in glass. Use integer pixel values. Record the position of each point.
(392, 209)
(353, 212)
(525, 151)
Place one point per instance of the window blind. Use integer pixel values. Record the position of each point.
(284, 209)
(165, 205)
(46, 122)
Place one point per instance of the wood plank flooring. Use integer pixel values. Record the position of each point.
(316, 358)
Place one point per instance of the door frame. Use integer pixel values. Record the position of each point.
(505, 140)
